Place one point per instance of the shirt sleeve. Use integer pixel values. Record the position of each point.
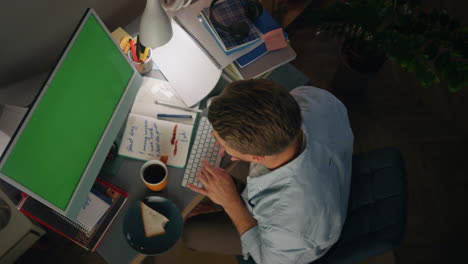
(271, 245)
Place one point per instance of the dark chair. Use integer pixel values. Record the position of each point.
(377, 209)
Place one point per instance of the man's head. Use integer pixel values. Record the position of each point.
(255, 118)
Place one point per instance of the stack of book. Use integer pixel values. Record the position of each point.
(97, 213)
(258, 62)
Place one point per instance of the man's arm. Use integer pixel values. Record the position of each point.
(220, 188)
(272, 245)
(240, 216)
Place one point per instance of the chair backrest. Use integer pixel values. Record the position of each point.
(377, 209)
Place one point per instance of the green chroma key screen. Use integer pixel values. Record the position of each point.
(62, 133)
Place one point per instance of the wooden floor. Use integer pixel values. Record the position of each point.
(429, 125)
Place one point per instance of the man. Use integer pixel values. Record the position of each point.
(299, 146)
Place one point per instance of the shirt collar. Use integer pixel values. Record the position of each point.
(259, 183)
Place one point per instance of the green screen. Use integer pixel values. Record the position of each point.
(57, 143)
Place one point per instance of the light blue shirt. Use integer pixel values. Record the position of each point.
(301, 207)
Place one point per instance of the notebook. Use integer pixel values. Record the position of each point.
(78, 232)
(147, 137)
(266, 63)
(188, 19)
(92, 211)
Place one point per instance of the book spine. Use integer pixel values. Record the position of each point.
(120, 191)
(200, 45)
(226, 77)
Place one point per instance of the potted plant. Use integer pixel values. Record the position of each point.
(432, 44)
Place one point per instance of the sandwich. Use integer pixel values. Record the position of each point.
(153, 222)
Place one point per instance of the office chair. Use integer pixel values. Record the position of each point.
(377, 209)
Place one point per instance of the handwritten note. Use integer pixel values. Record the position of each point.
(148, 138)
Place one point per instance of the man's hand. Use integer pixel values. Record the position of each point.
(220, 188)
(218, 185)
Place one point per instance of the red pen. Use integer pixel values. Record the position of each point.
(174, 133)
(132, 47)
(175, 147)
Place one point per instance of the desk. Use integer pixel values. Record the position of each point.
(114, 248)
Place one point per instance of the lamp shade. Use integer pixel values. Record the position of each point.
(155, 25)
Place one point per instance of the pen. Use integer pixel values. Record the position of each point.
(132, 47)
(144, 54)
(179, 107)
(138, 48)
(173, 116)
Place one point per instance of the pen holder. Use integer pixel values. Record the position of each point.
(142, 67)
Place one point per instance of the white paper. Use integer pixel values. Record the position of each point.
(186, 67)
(91, 211)
(149, 138)
(153, 89)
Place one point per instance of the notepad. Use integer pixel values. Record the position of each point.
(92, 211)
(146, 137)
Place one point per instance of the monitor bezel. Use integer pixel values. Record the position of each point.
(114, 125)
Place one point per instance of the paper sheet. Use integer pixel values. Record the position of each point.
(192, 74)
(275, 40)
(93, 209)
(153, 89)
(147, 138)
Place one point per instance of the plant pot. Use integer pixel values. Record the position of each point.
(359, 60)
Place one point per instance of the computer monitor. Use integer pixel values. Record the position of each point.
(64, 138)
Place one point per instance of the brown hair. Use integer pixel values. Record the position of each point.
(257, 117)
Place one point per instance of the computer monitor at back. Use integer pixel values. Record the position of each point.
(58, 150)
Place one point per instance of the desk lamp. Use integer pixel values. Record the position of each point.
(155, 26)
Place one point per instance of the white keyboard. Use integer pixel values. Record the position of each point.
(204, 147)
